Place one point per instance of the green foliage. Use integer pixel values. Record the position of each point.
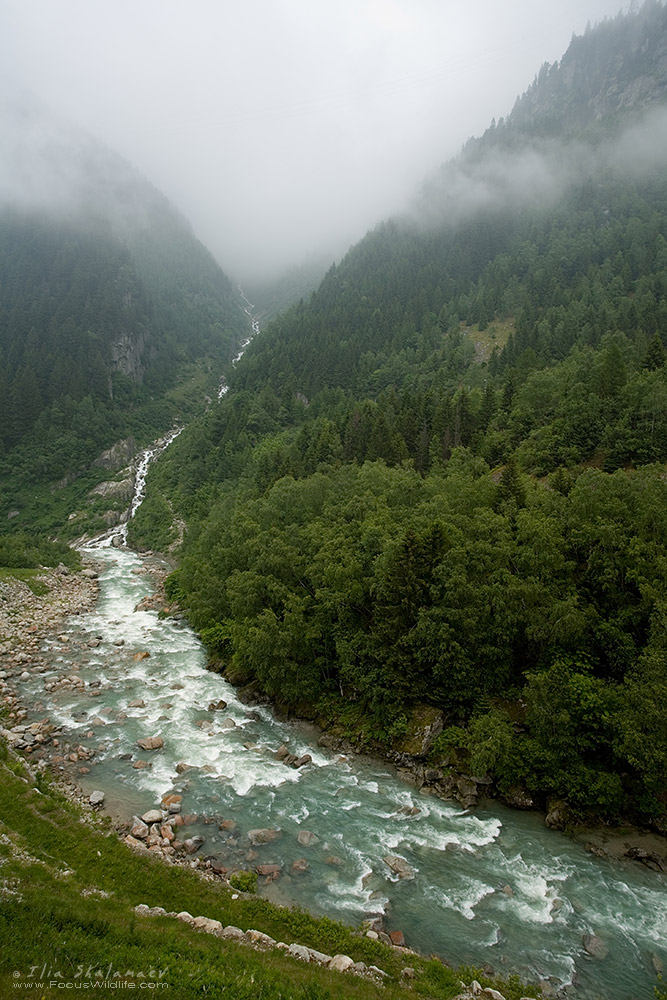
(244, 881)
(24, 551)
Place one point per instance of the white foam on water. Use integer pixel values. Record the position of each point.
(462, 898)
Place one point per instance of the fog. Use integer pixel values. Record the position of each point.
(283, 128)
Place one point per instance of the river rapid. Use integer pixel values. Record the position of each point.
(489, 886)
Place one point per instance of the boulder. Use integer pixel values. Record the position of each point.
(217, 706)
(558, 815)
(300, 865)
(341, 963)
(595, 946)
(270, 870)
(307, 838)
(302, 760)
(399, 866)
(319, 957)
(282, 752)
(151, 743)
(207, 924)
(171, 798)
(397, 938)
(133, 842)
(232, 932)
(152, 816)
(137, 703)
(96, 798)
(259, 939)
(262, 836)
(139, 828)
(299, 951)
(186, 917)
(192, 844)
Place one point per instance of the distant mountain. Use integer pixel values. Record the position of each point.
(107, 300)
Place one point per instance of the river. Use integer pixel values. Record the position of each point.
(490, 886)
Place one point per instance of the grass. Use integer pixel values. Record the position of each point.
(68, 886)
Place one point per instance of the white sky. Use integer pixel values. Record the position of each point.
(285, 127)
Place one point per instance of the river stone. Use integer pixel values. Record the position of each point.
(268, 869)
(152, 816)
(139, 828)
(300, 865)
(399, 866)
(306, 838)
(303, 760)
(282, 752)
(397, 938)
(171, 798)
(141, 765)
(264, 836)
(151, 743)
(96, 798)
(141, 656)
(595, 946)
(133, 842)
(341, 963)
(137, 703)
(228, 724)
(182, 767)
(192, 844)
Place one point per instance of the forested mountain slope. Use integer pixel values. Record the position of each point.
(442, 480)
(107, 301)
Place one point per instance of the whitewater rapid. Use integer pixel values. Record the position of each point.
(491, 886)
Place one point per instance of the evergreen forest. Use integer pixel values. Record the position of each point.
(440, 480)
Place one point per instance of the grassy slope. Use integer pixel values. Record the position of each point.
(51, 857)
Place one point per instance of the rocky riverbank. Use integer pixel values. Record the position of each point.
(28, 619)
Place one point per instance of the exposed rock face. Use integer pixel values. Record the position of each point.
(115, 489)
(117, 457)
(558, 815)
(424, 725)
(126, 355)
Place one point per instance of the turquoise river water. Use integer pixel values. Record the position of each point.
(491, 886)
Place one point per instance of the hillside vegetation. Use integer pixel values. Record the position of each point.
(442, 479)
(114, 320)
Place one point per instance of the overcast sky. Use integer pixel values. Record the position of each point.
(285, 127)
